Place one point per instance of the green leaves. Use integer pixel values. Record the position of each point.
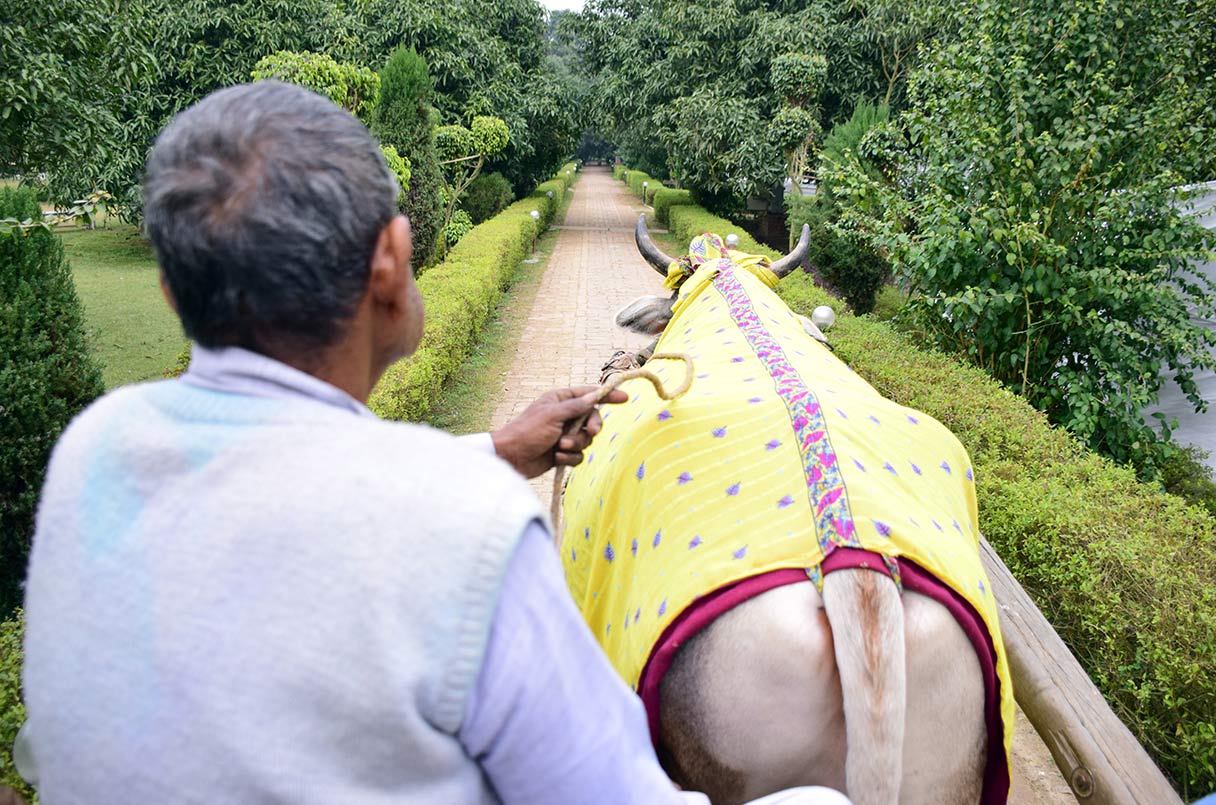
(350, 86)
(1033, 215)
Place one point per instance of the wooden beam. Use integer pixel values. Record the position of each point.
(1097, 754)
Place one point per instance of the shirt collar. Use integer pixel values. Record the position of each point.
(233, 370)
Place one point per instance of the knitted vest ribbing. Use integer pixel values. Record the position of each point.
(240, 599)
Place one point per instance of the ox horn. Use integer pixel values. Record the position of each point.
(646, 246)
(794, 259)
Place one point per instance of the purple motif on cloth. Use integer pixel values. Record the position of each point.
(936, 525)
(887, 466)
(684, 478)
(642, 470)
(983, 590)
(719, 432)
(756, 400)
(739, 554)
(573, 555)
(913, 419)
(663, 608)
(658, 537)
(970, 477)
(587, 529)
(843, 415)
(874, 419)
(916, 469)
(733, 489)
(882, 528)
(737, 359)
(634, 547)
(773, 445)
(946, 466)
(825, 484)
(664, 415)
(785, 501)
(694, 542)
(859, 465)
(637, 615)
(609, 554)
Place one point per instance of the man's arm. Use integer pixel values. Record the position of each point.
(549, 720)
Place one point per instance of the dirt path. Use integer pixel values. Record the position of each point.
(593, 272)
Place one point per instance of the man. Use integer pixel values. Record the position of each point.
(245, 587)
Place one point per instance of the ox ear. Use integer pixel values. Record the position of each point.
(648, 315)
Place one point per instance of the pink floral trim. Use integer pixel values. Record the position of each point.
(829, 499)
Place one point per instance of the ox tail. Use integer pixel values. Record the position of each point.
(866, 615)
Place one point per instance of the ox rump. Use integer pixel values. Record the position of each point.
(699, 533)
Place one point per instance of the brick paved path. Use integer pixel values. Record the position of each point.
(594, 271)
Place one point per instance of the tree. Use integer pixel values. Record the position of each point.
(63, 69)
(350, 86)
(1033, 217)
(689, 86)
(402, 119)
(843, 260)
(46, 375)
(463, 153)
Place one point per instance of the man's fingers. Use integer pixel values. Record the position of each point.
(564, 459)
(616, 396)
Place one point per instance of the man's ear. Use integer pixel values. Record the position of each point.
(164, 289)
(390, 265)
(648, 314)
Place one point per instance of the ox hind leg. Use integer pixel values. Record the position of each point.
(945, 738)
(752, 704)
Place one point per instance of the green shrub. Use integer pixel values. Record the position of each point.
(887, 303)
(1119, 568)
(637, 179)
(46, 375)
(460, 295)
(458, 227)
(402, 119)
(667, 198)
(12, 711)
(618, 172)
(486, 196)
(1186, 475)
(849, 266)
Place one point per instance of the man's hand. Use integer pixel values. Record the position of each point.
(546, 433)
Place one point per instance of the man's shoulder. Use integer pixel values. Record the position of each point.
(126, 405)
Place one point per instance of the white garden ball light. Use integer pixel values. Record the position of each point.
(732, 241)
(535, 215)
(549, 193)
(823, 317)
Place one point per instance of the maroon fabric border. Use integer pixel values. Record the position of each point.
(705, 610)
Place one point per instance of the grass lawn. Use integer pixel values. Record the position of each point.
(131, 328)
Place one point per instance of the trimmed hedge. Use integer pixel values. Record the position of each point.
(1123, 571)
(12, 711)
(460, 295)
(665, 199)
(618, 172)
(637, 179)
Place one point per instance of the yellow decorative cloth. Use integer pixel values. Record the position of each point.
(778, 454)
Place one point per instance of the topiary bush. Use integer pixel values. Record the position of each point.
(402, 119)
(47, 375)
(618, 172)
(486, 196)
(1122, 570)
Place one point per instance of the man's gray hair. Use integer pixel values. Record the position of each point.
(264, 203)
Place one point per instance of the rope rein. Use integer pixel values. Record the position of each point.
(559, 473)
